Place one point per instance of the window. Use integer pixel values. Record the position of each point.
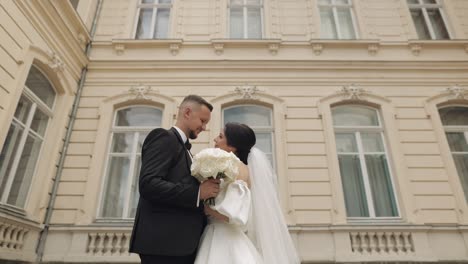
(364, 166)
(259, 118)
(429, 19)
(130, 128)
(245, 19)
(24, 140)
(455, 121)
(337, 19)
(153, 19)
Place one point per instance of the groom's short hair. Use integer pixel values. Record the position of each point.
(192, 98)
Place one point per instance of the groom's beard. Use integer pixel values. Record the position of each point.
(192, 135)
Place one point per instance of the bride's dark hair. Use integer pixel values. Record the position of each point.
(242, 137)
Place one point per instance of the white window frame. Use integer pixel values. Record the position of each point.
(334, 6)
(245, 7)
(423, 6)
(133, 155)
(358, 130)
(456, 129)
(259, 129)
(155, 7)
(36, 103)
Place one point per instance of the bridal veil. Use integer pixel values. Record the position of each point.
(267, 228)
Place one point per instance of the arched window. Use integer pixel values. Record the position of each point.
(259, 118)
(25, 136)
(455, 121)
(130, 127)
(363, 161)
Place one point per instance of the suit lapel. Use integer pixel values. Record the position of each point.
(188, 159)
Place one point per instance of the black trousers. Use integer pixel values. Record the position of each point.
(155, 259)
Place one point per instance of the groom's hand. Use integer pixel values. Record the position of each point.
(209, 188)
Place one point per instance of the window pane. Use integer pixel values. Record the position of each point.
(429, 2)
(23, 109)
(353, 186)
(461, 162)
(164, 1)
(413, 2)
(237, 2)
(324, 2)
(135, 195)
(147, 1)
(438, 24)
(122, 142)
(346, 23)
(253, 116)
(254, 23)
(39, 122)
(117, 180)
(40, 86)
(23, 176)
(346, 142)
(327, 24)
(341, 2)
(420, 24)
(264, 142)
(253, 2)
(457, 142)
(9, 151)
(236, 23)
(162, 24)
(354, 116)
(372, 142)
(139, 116)
(454, 116)
(381, 186)
(141, 140)
(144, 24)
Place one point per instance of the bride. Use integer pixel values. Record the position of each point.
(246, 224)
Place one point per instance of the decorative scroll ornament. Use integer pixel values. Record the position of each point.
(140, 91)
(458, 92)
(55, 63)
(352, 92)
(247, 91)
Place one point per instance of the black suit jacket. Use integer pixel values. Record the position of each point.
(167, 220)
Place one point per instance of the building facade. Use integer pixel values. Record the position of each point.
(361, 106)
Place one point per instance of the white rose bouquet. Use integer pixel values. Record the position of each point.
(215, 163)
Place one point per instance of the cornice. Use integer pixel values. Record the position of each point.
(62, 31)
(106, 64)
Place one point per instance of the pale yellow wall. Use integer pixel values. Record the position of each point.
(298, 75)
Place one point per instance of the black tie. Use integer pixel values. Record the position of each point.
(188, 145)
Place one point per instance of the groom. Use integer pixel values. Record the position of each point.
(170, 218)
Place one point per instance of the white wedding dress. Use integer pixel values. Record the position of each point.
(255, 211)
(226, 242)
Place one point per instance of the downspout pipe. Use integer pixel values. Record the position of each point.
(53, 196)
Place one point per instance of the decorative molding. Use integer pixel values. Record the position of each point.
(247, 91)
(373, 49)
(108, 244)
(273, 47)
(81, 38)
(415, 49)
(457, 92)
(140, 91)
(55, 62)
(119, 49)
(218, 48)
(381, 243)
(353, 92)
(174, 48)
(317, 48)
(12, 237)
